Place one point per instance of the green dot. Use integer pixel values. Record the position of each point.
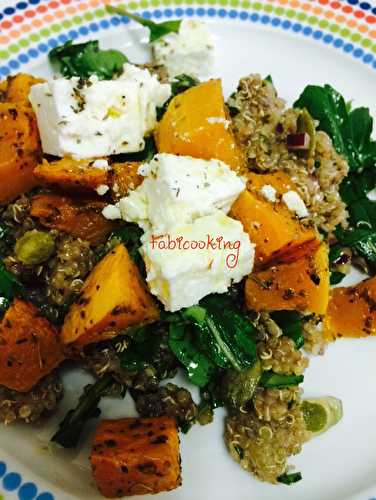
(246, 4)
(189, 2)
(24, 42)
(77, 19)
(45, 32)
(4, 54)
(302, 16)
(234, 3)
(56, 28)
(66, 23)
(257, 6)
(144, 4)
(334, 28)
(290, 13)
(100, 13)
(200, 2)
(88, 16)
(155, 3)
(268, 8)
(34, 37)
(13, 48)
(133, 5)
(323, 24)
(355, 37)
(345, 32)
(223, 2)
(212, 2)
(279, 11)
(166, 2)
(312, 20)
(366, 43)
(374, 49)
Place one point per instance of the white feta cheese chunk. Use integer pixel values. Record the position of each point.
(295, 204)
(111, 212)
(103, 164)
(269, 193)
(191, 51)
(179, 189)
(194, 260)
(99, 117)
(102, 189)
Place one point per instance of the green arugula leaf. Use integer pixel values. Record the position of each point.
(336, 277)
(271, 380)
(291, 324)
(291, 478)
(87, 59)
(157, 30)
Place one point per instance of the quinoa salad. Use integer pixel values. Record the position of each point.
(150, 225)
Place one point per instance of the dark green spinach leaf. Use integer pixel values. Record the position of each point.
(291, 324)
(271, 380)
(291, 478)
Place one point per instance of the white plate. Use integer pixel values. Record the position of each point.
(337, 466)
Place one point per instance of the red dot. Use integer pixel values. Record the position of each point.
(347, 9)
(65, 2)
(323, 2)
(53, 5)
(6, 25)
(335, 5)
(29, 13)
(359, 14)
(371, 19)
(18, 19)
(41, 9)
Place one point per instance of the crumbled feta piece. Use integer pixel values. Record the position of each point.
(194, 260)
(269, 193)
(191, 51)
(99, 117)
(111, 212)
(103, 164)
(179, 189)
(218, 119)
(295, 204)
(102, 189)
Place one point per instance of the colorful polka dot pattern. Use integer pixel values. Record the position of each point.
(12, 483)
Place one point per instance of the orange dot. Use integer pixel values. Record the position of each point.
(283, 2)
(59, 13)
(340, 19)
(351, 23)
(83, 6)
(71, 10)
(347, 9)
(317, 10)
(14, 33)
(25, 28)
(329, 14)
(48, 18)
(363, 28)
(4, 39)
(306, 6)
(37, 23)
(294, 4)
(94, 3)
(372, 34)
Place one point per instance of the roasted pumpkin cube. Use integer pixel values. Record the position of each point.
(113, 297)
(30, 347)
(352, 311)
(72, 175)
(16, 89)
(136, 456)
(196, 124)
(302, 285)
(20, 150)
(278, 234)
(125, 178)
(80, 217)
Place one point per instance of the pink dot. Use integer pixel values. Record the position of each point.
(48, 18)
(82, 6)
(37, 23)
(14, 33)
(4, 39)
(71, 10)
(65, 2)
(25, 28)
(59, 14)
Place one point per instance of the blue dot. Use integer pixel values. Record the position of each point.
(200, 11)
(368, 58)
(352, 2)
(21, 5)
(12, 481)
(276, 21)
(125, 20)
(317, 34)
(93, 27)
(243, 15)
(23, 58)
(374, 10)
(3, 467)
(83, 30)
(233, 14)
(53, 43)
(45, 496)
(104, 24)
(189, 12)
(168, 12)
(34, 2)
(28, 491)
(1, 16)
(115, 21)
(14, 64)
(328, 39)
(307, 31)
(348, 47)
(157, 13)
(4, 70)
(33, 53)
(358, 53)
(179, 12)
(62, 38)
(297, 27)
(254, 17)
(9, 11)
(338, 42)
(42, 47)
(73, 34)
(146, 14)
(286, 24)
(211, 12)
(365, 6)
(265, 19)
(222, 13)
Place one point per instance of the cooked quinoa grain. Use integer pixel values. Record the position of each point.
(315, 341)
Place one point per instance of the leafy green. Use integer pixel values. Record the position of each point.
(238, 388)
(157, 30)
(336, 277)
(87, 59)
(8, 283)
(71, 427)
(291, 324)
(269, 79)
(130, 236)
(142, 156)
(180, 84)
(291, 478)
(271, 380)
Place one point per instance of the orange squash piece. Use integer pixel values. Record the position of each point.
(72, 175)
(29, 347)
(112, 298)
(20, 150)
(125, 178)
(302, 285)
(82, 218)
(136, 456)
(352, 311)
(196, 124)
(278, 234)
(16, 89)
